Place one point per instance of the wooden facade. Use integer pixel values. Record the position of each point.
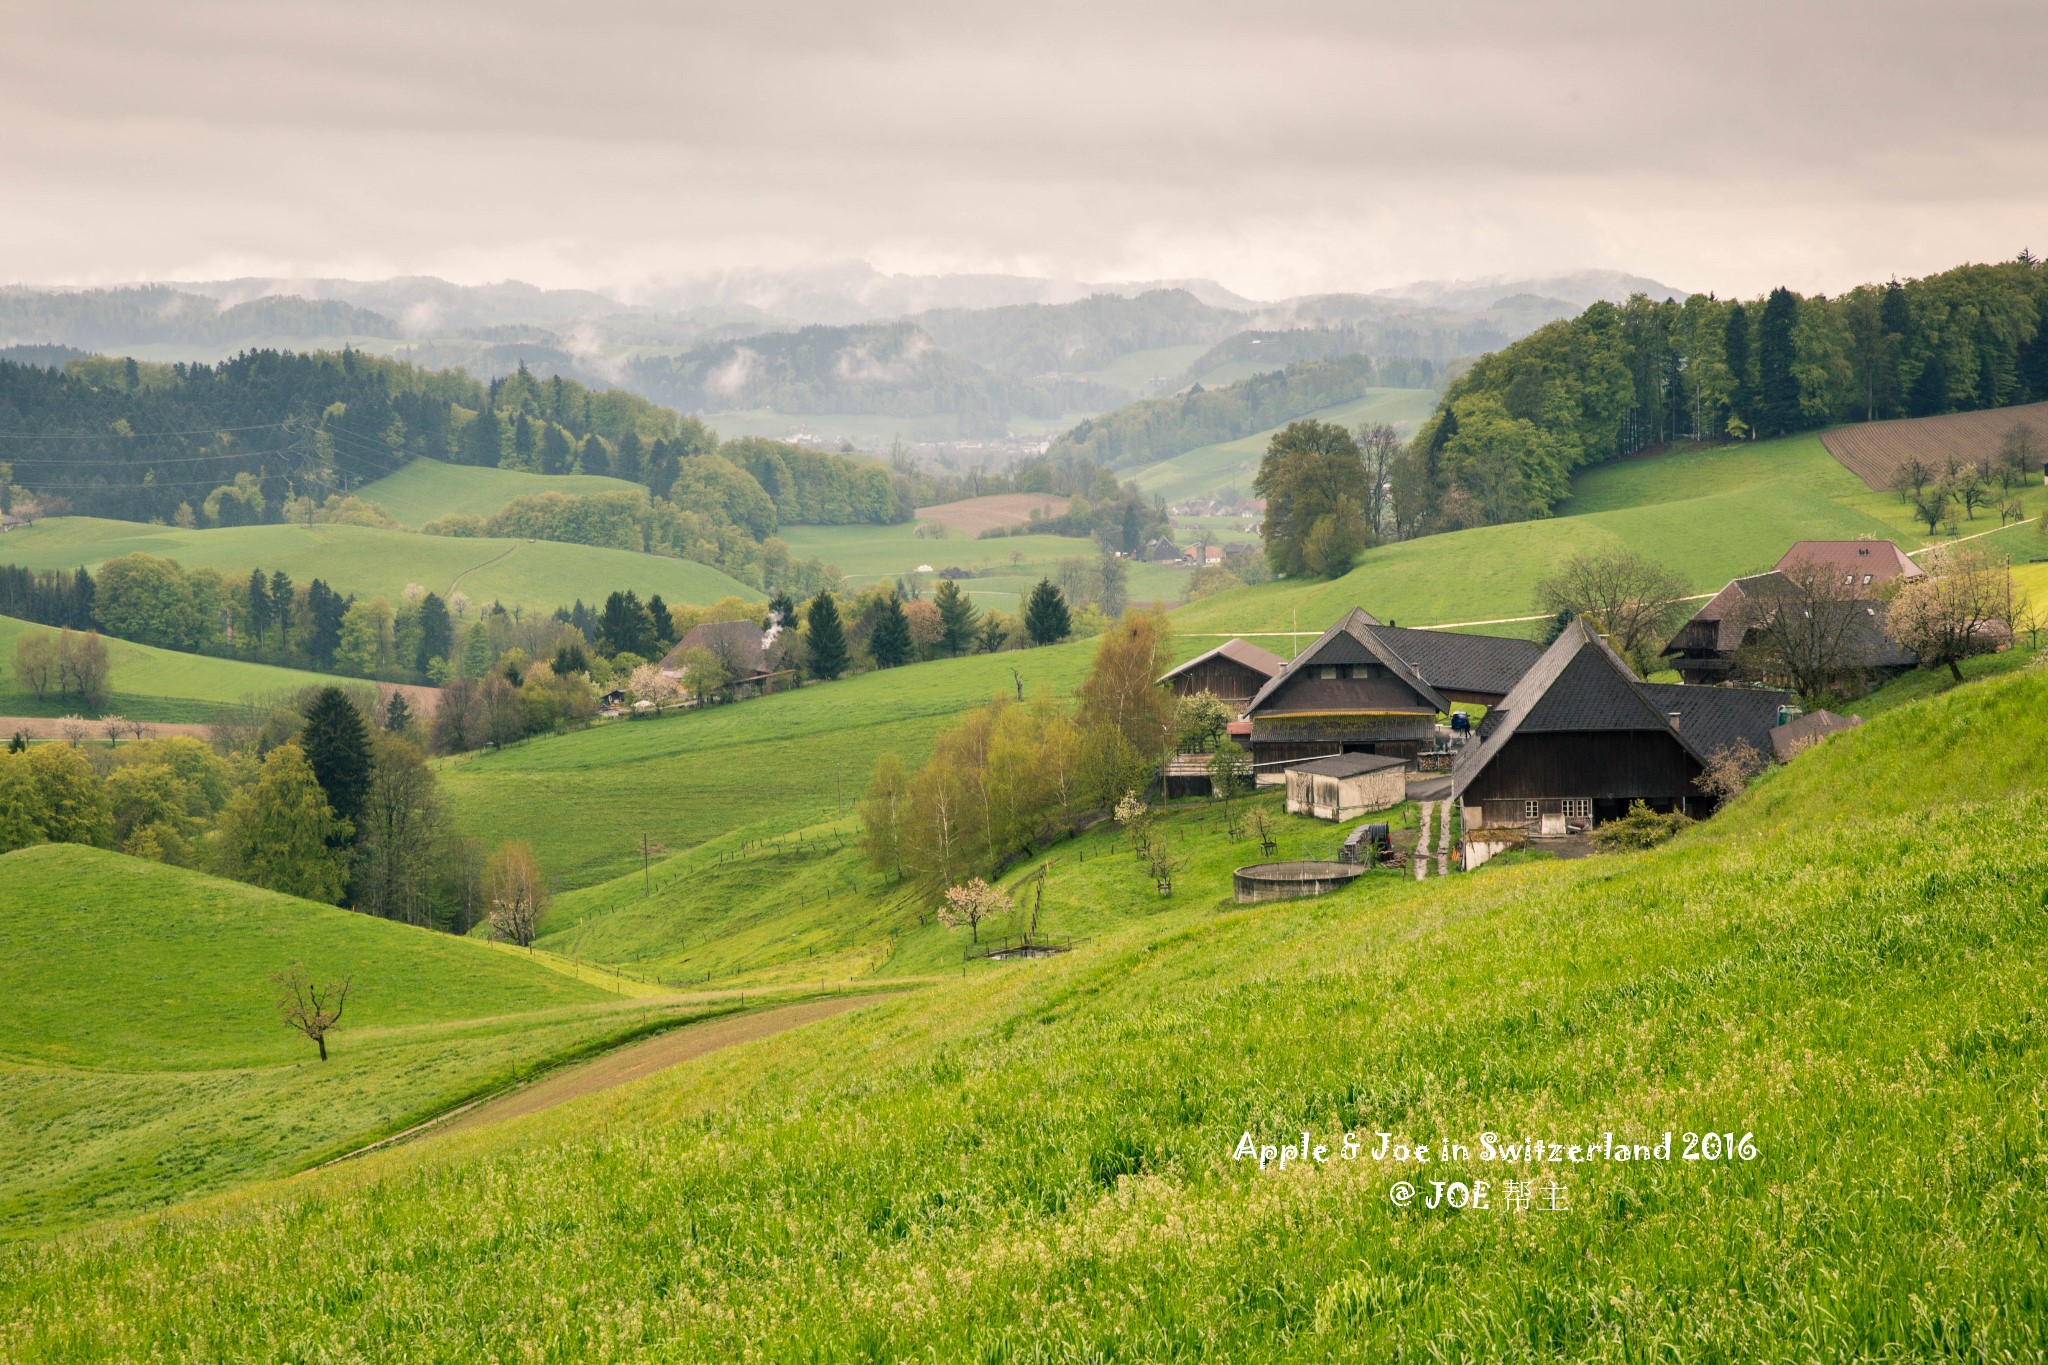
(1233, 672)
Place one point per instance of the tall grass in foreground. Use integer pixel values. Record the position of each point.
(1035, 1164)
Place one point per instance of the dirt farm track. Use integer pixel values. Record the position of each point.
(1873, 451)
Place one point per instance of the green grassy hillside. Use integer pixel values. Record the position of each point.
(1710, 514)
(143, 1060)
(1036, 1162)
(805, 907)
(1005, 569)
(770, 765)
(156, 684)
(1231, 464)
(532, 575)
(426, 489)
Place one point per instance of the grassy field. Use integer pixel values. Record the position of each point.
(866, 431)
(143, 1061)
(1004, 569)
(426, 489)
(531, 575)
(156, 684)
(1231, 464)
(1143, 374)
(1035, 1162)
(1710, 514)
(805, 907)
(768, 766)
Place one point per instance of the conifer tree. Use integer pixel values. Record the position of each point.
(1046, 620)
(826, 636)
(957, 617)
(890, 643)
(283, 835)
(1777, 407)
(337, 748)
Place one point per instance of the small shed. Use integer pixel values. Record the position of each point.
(1344, 786)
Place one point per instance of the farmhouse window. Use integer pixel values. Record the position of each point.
(1532, 810)
(1326, 670)
(1578, 808)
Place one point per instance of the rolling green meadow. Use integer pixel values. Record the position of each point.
(533, 575)
(426, 489)
(1032, 1160)
(1035, 1161)
(142, 1059)
(1212, 469)
(154, 684)
(1005, 568)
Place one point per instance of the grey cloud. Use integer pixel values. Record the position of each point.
(1275, 147)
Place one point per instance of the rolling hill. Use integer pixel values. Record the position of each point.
(367, 560)
(144, 1060)
(426, 489)
(161, 685)
(1037, 1160)
(1210, 470)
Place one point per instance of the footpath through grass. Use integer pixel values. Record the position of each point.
(1036, 1162)
(143, 1059)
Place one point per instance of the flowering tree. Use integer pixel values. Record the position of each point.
(972, 902)
(649, 683)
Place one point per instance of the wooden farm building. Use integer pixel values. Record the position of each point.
(1580, 737)
(1234, 671)
(752, 655)
(1346, 786)
(1365, 687)
(1710, 647)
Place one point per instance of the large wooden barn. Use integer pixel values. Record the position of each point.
(1365, 687)
(1580, 737)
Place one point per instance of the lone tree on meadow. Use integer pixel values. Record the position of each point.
(1311, 477)
(515, 891)
(957, 617)
(1633, 601)
(1046, 619)
(311, 1008)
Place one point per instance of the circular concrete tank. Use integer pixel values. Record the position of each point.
(1290, 881)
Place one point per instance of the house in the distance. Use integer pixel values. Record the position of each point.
(1838, 578)
(1580, 737)
(1865, 565)
(752, 655)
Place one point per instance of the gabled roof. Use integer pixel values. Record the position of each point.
(1880, 559)
(1579, 684)
(1347, 765)
(1261, 661)
(743, 643)
(1487, 664)
(1867, 643)
(1354, 639)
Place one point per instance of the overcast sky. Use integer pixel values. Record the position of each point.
(1276, 147)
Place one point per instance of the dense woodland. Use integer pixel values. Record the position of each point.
(1508, 434)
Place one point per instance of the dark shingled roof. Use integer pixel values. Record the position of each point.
(1263, 661)
(1714, 718)
(1347, 765)
(1353, 640)
(1788, 740)
(1580, 684)
(1880, 560)
(1463, 663)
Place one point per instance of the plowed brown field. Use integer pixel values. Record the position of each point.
(997, 511)
(1874, 451)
